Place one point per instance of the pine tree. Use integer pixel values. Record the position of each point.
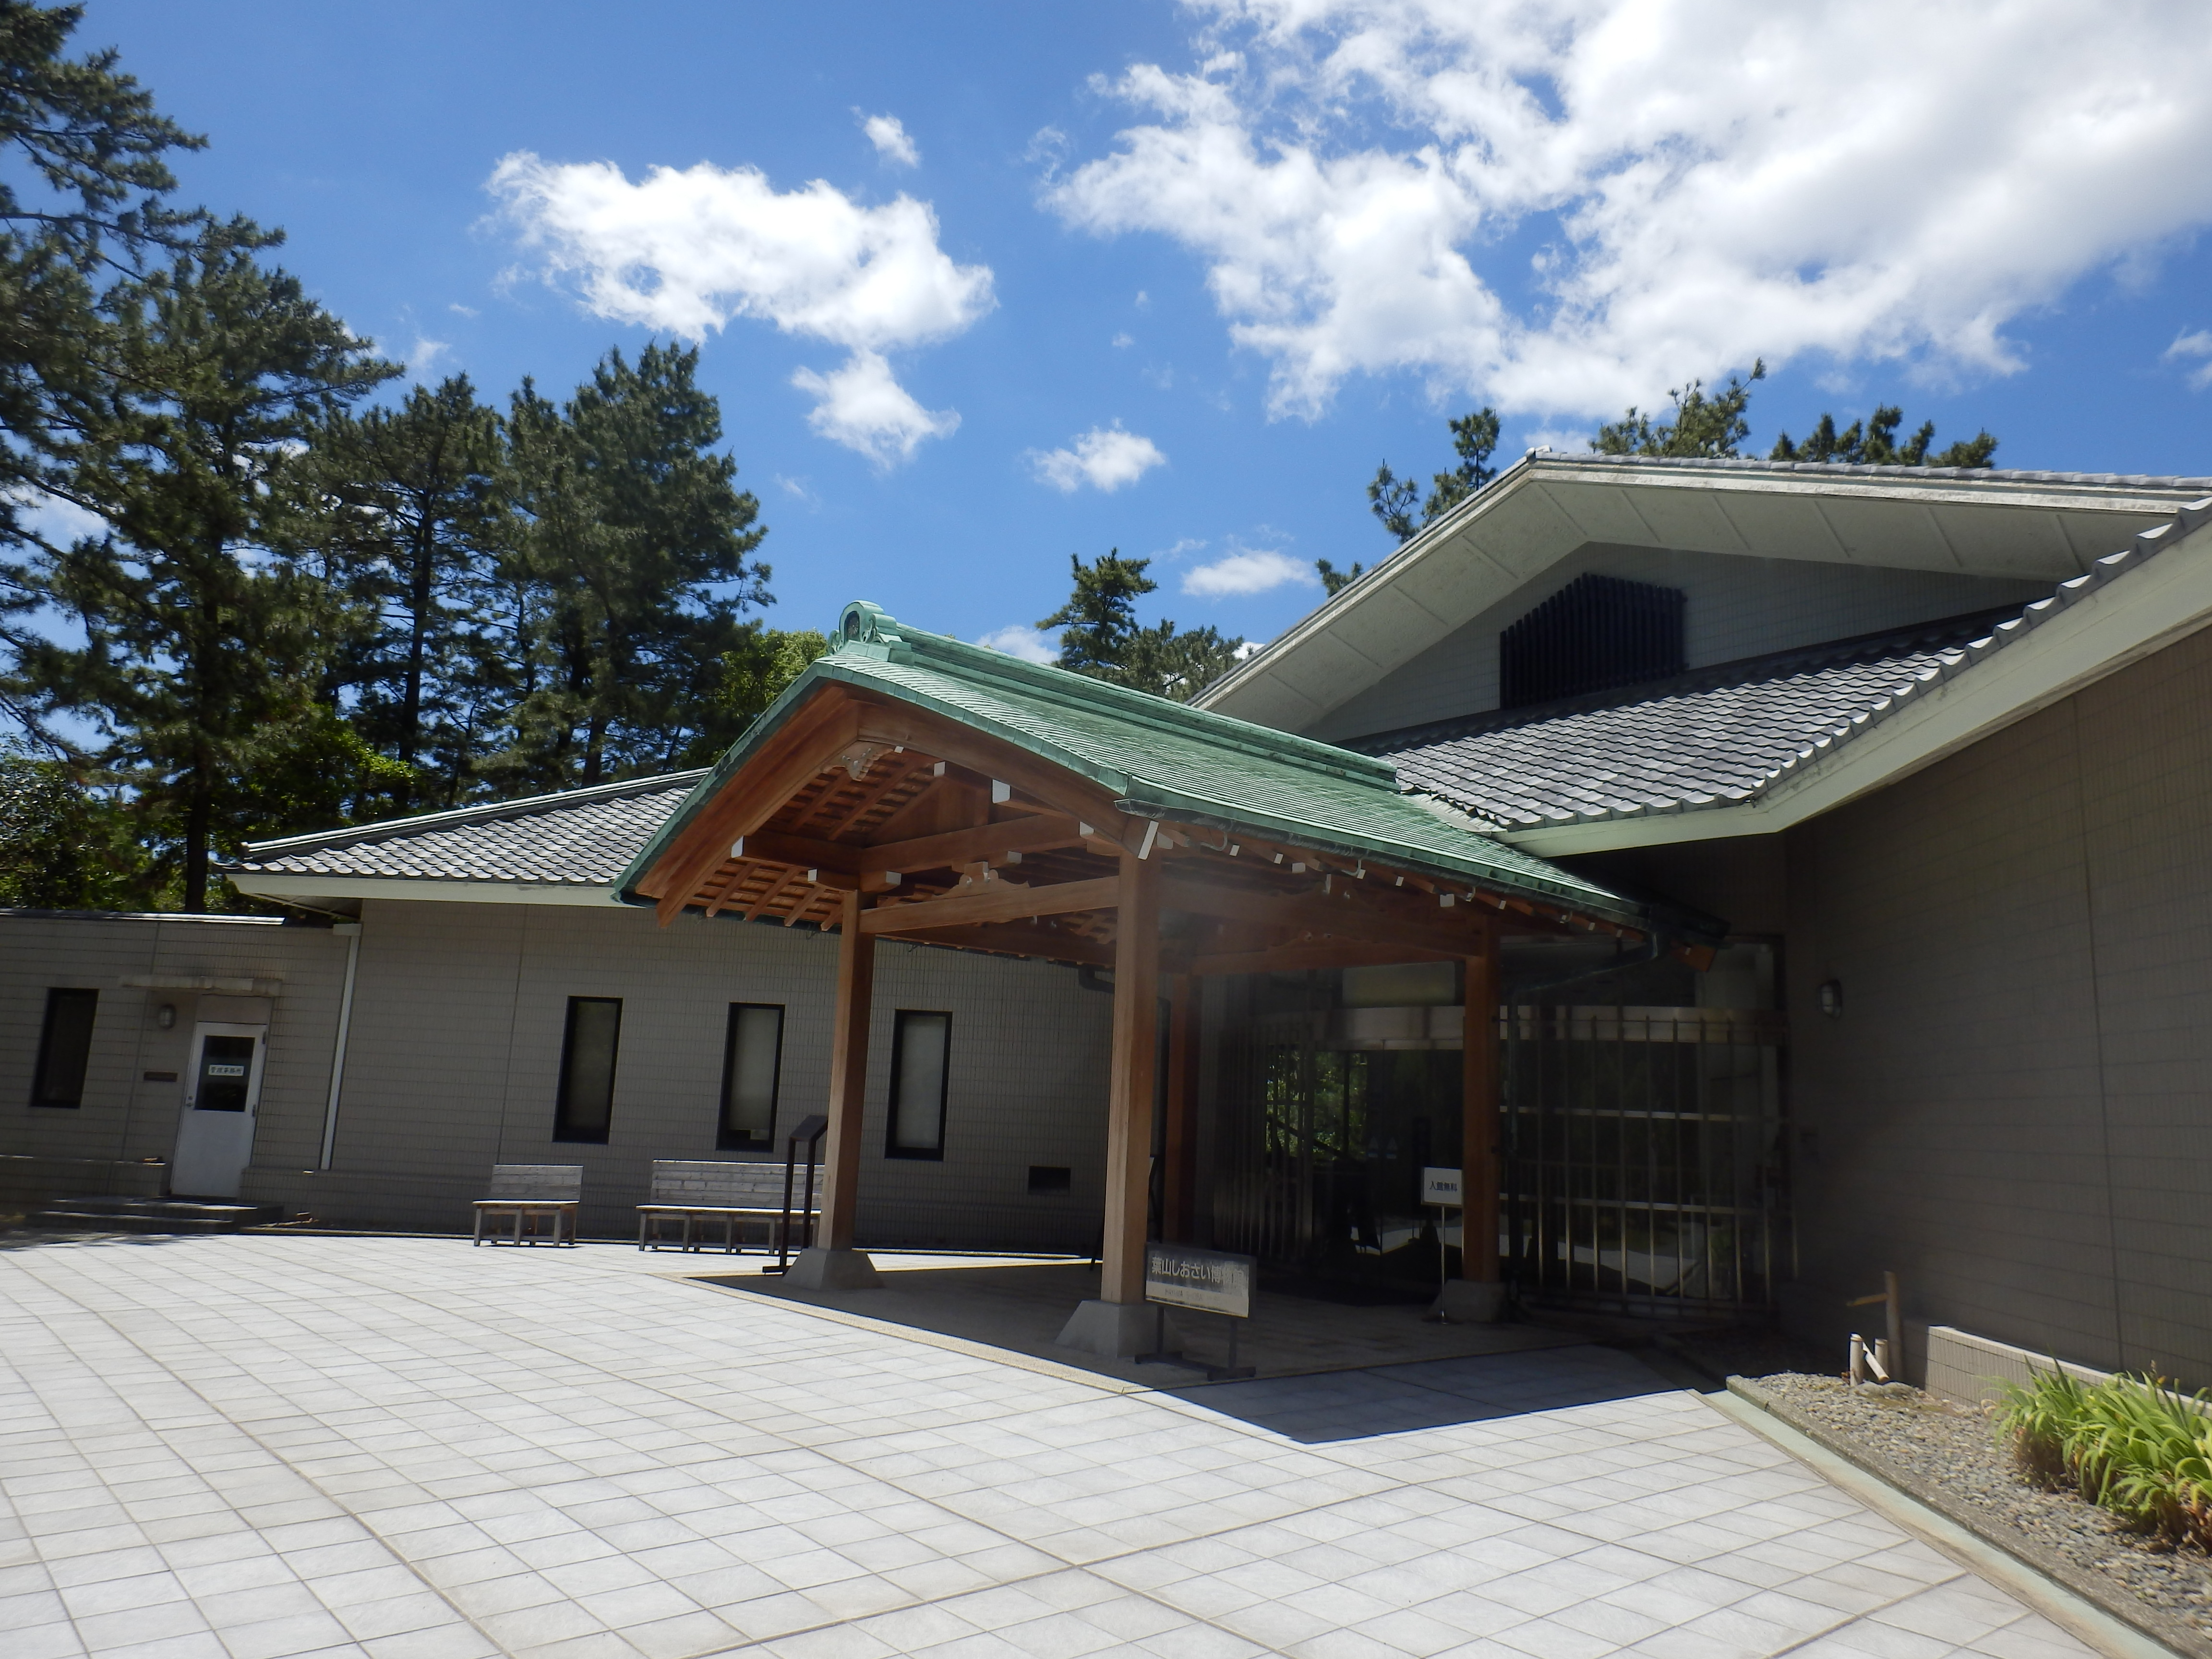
(202, 648)
(1101, 637)
(1874, 444)
(87, 203)
(406, 509)
(631, 566)
(1703, 427)
(1391, 499)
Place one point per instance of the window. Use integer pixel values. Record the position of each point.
(64, 1047)
(587, 1070)
(1596, 633)
(752, 1057)
(921, 1056)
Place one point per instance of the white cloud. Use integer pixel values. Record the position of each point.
(685, 252)
(460, 310)
(2198, 345)
(862, 407)
(1105, 458)
(1247, 572)
(1706, 183)
(1027, 643)
(423, 356)
(59, 521)
(1120, 340)
(889, 135)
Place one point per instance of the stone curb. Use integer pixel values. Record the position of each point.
(2171, 1634)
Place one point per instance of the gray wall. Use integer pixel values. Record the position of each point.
(50, 1152)
(1737, 607)
(454, 1060)
(2013, 1108)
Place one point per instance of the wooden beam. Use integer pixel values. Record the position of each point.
(1351, 917)
(1025, 835)
(1320, 953)
(998, 900)
(1014, 940)
(849, 1076)
(1130, 1081)
(1063, 791)
(1482, 1152)
(825, 724)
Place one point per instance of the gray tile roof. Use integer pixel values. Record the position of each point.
(1720, 735)
(580, 838)
(1706, 739)
(1887, 474)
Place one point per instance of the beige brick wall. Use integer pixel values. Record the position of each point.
(2014, 1107)
(124, 1115)
(454, 1061)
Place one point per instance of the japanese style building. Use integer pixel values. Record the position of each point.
(1825, 852)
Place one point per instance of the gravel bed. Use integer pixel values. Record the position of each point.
(1954, 1450)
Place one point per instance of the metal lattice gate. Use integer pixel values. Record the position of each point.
(1643, 1153)
(1644, 1157)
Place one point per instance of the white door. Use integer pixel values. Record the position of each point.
(214, 1137)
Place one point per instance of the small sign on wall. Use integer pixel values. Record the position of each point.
(1442, 1187)
(1210, 1281)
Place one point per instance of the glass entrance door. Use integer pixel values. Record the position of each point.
(222, 1091)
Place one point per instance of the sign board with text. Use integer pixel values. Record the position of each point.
(1208, 1281)
(1440, 1187)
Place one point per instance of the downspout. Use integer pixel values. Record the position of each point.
(352, 931)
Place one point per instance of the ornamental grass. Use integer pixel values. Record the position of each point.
(2134, 1447)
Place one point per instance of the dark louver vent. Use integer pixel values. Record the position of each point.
(1596, 633)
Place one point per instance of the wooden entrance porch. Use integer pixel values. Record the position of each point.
(913, 787)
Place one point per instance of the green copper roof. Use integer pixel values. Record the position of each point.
(1161, 760)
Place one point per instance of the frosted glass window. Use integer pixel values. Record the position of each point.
(587, 1069)
(752, 1058)
(921, 1053)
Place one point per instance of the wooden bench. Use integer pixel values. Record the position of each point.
(699, 1192)
(533, 1193)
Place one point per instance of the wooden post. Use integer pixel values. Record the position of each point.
(849, 1076)
(1129, 1092)
(1481, 1150)
(1179, 1179)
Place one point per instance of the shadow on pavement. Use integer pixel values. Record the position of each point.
(1429, 1394)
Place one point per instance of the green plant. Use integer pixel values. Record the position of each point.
(2134, 1447)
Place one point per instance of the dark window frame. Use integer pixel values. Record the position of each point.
(933, 1154)
(563, 1128)
(57, 997)
(727, 1138)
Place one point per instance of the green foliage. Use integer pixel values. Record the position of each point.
(630, 566)
(1391, 499)
(755, 672)
(63, 847)
(1874, 444)
(1708, 426)
(2136, 1448)
(404, 513)
(203, 651)
(1334, 580)
(86, 200)
(1101, 637)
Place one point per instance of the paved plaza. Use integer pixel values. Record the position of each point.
(256, 1447)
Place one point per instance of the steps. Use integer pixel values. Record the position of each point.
(153, 1215)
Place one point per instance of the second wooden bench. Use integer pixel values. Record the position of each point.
(699, 1191)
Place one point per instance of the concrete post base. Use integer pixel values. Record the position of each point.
(1469, 1301)
(819, 1269)
(1119, 1330)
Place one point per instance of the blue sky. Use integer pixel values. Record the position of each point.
(1251, 249)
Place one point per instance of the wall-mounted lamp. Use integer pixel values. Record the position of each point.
(1832, 998)
(166, 1015)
